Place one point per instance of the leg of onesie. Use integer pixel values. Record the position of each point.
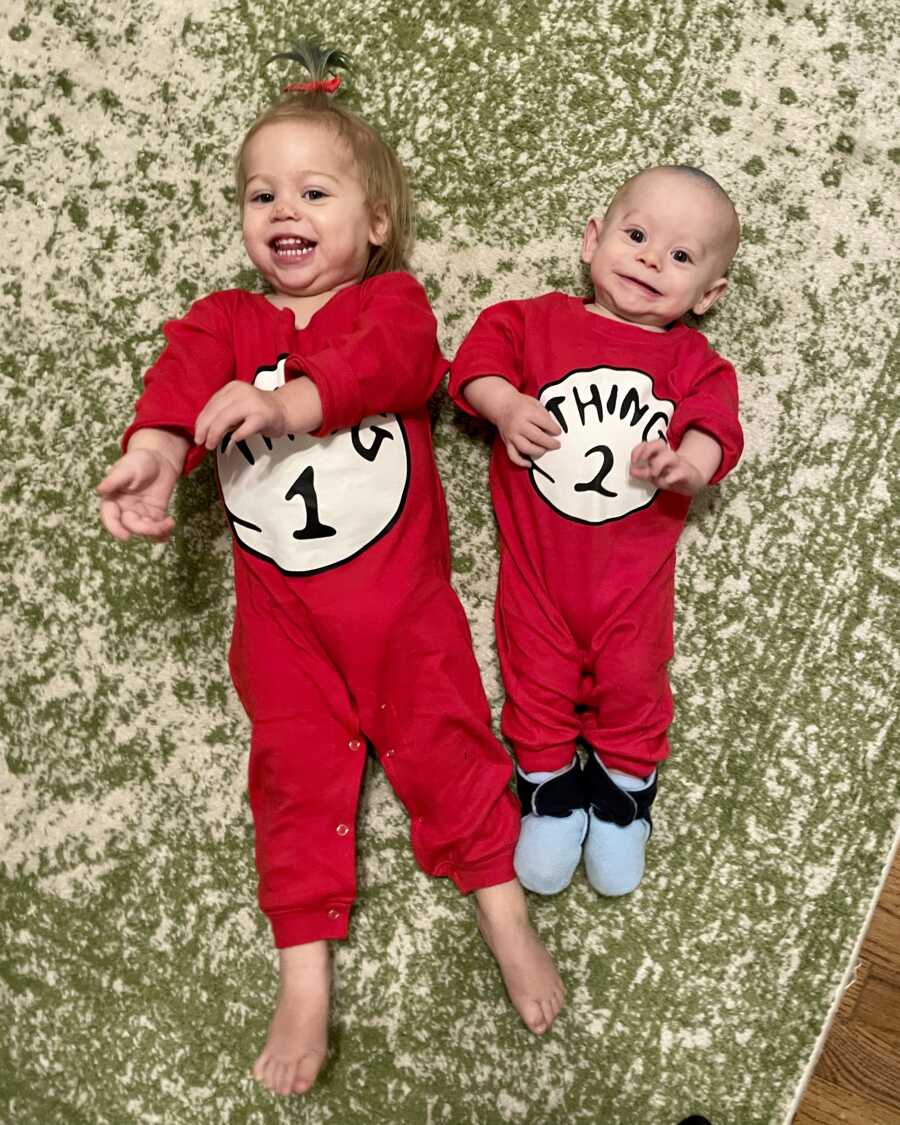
(412, 670)
(629, 712)
(307, 758)
(542, 670)
(627, 696)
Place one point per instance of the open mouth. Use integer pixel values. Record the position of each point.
(292, 246)
(641, 285)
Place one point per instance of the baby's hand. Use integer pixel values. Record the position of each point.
(660, 465)
(528, 430)
(242, 410)
(135, 494)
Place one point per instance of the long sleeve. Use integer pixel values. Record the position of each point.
(198, 359)
(711, 405)
(386, 361)
(493, 346)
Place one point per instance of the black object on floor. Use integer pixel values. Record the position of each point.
(695, 1119)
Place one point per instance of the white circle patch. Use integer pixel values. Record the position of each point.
(308, 504)
(604, 413)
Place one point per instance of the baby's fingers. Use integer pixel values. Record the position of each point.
(147, 524)
(205, 427)
(516, 457)
(527, 449)
(648, 451)
(533, 433)
(111, 518)
(540, 416)
(122, 477)
(213, 425)
(220, 414)
(252, 424)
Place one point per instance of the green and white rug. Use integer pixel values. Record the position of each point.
(137, 975)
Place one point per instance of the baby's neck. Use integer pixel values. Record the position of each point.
(599, 310)
(304, 308)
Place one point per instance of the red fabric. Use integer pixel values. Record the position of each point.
(375, 646)
(326, 85)
(584, 610)
(383, 326)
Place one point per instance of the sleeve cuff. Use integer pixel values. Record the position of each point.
(338, 389)
(725, 429)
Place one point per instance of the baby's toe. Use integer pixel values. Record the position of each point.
(285, 1078)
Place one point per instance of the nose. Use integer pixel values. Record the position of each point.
(285, 209)
(648, 256)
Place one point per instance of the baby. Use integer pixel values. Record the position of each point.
(611, 414)
(347, 631)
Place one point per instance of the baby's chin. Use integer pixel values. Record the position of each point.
(647, 320)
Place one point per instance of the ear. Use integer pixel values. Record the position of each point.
(379, 225)
(591, 238)
(710, 297)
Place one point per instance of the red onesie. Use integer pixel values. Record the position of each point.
(587, 554)
(346, 625)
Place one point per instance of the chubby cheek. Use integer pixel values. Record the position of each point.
(254, 244)
(246, 236)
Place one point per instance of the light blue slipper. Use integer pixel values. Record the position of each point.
(618, 831)
(554, 824)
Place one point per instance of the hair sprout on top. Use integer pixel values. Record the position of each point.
(381, 174)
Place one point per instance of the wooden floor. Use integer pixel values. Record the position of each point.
(857, 1078)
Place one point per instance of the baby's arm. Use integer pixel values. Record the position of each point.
(685, 470)
(382, 358)
(295, 408)
(526, 428)
(135, 493)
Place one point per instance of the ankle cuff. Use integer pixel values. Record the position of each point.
(557, 796)
(610, 803)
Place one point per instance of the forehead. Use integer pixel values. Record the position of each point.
(297, 143)
(666, 192)
(678, 200)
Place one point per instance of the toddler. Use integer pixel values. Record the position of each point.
(611, 413)
(347, 631)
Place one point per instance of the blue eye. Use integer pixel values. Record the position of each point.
(681, 255)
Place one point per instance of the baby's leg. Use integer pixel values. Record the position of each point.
(629, 708)
(307, 761)
(542, 668)
(531, 979)
(298, 1035)
(432, 731)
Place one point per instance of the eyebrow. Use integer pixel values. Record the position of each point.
(305, 172)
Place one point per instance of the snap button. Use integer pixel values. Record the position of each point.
(334, 913)
(389, 753)
(342, 830)
(355, 744)
(382, 707)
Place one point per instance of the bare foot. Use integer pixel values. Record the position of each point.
(531, 979)
(298, 1035)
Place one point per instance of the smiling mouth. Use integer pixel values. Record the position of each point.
(641, 284)
(292, 247)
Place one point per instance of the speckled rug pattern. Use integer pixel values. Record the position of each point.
(137, 975)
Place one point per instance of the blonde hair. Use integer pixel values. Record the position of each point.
(381, 173)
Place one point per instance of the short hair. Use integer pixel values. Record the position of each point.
(686, 169)
(690, 170)
(382, 175)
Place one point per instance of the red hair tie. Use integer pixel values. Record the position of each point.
(326, 85)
